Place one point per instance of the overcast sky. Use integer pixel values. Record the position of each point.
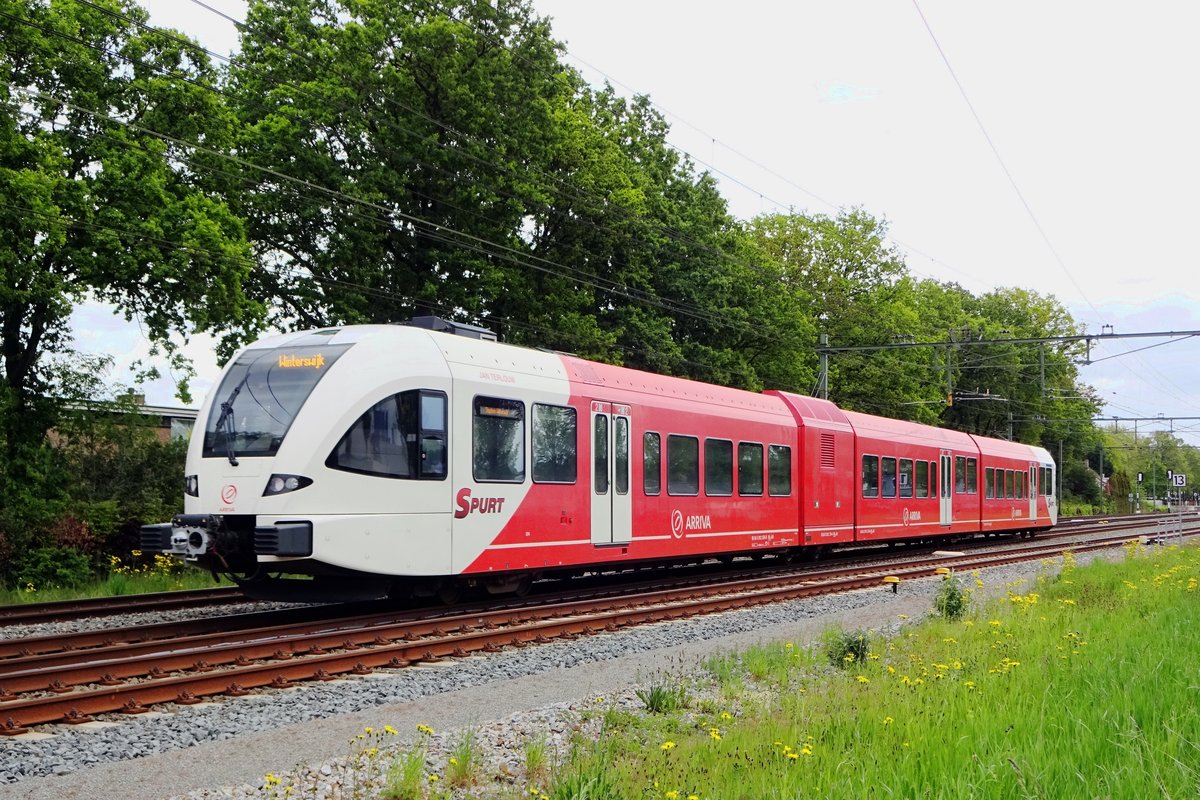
(816, 106)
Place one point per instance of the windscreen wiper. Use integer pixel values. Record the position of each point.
(226, 419)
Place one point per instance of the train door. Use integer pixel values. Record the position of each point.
(1033, 489)
(946, 481)
(612, 507)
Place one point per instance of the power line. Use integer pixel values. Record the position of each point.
(1000, 160)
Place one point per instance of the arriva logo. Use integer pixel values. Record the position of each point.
(484, 505)
(693, 522)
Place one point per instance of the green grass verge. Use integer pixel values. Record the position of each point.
(1085, 684)
(141, 575)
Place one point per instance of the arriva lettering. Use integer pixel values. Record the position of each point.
(698, 522)
(482, 505)
(291, 362)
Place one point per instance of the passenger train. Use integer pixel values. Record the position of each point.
(420, 459)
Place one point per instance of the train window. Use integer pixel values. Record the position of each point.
(870, 476)
(933, 483)
(906, 477)
(390, 440)
(433, 435)
(1020, 476)
(779, 470)
(718, 467)
(923, 479)
(960, 475)
(1009, 485)
(263, 391)
(750, 468)
(621, 454)
(600, 452)
(683, 464)
(555, 444)
(651, 463)
(889, 477)
(989, 483)
(972, 476)
(499, 440)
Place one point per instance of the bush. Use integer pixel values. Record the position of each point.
(844, 648)
(53, 567)
(952, 599)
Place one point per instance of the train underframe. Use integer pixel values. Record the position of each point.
(229, 546)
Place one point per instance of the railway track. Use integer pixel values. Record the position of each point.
(33, 613)
(66, 610)
(74, 683)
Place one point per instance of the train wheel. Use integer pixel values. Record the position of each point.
(450, 592)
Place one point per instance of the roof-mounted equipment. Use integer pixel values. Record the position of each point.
(457, 328)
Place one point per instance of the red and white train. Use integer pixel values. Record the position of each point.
(403, 459)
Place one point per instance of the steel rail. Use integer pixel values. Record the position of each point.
(28, 613)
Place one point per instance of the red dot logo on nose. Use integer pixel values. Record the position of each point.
(229, 494)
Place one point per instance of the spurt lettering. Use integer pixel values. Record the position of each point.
(483, 505)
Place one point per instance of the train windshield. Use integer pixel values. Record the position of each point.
(259, 398)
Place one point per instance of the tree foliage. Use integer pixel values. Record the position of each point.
(103, 197)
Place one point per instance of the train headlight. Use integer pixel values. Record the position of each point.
(282, 484)
(191, 485)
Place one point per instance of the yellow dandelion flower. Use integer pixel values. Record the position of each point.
(902, 616)
(792, 756)
(668, 745)
(434, 778)
(453, 760)
(671, 794)
(863, 679)
(388, 729)
(726, 715)
(425, 729)
(888, 720)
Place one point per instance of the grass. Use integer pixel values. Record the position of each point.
(137, 576)
(1082, 683)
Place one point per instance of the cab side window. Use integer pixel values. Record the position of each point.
(403, 436)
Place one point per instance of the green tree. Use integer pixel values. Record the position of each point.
(104, 199)
(852, 286)
(409, 140)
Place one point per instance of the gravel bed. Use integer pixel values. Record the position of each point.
(130, 620)
(306, 732)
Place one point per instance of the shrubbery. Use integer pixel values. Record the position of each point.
(81, 495)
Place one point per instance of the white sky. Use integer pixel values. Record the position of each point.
(1090, 104)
